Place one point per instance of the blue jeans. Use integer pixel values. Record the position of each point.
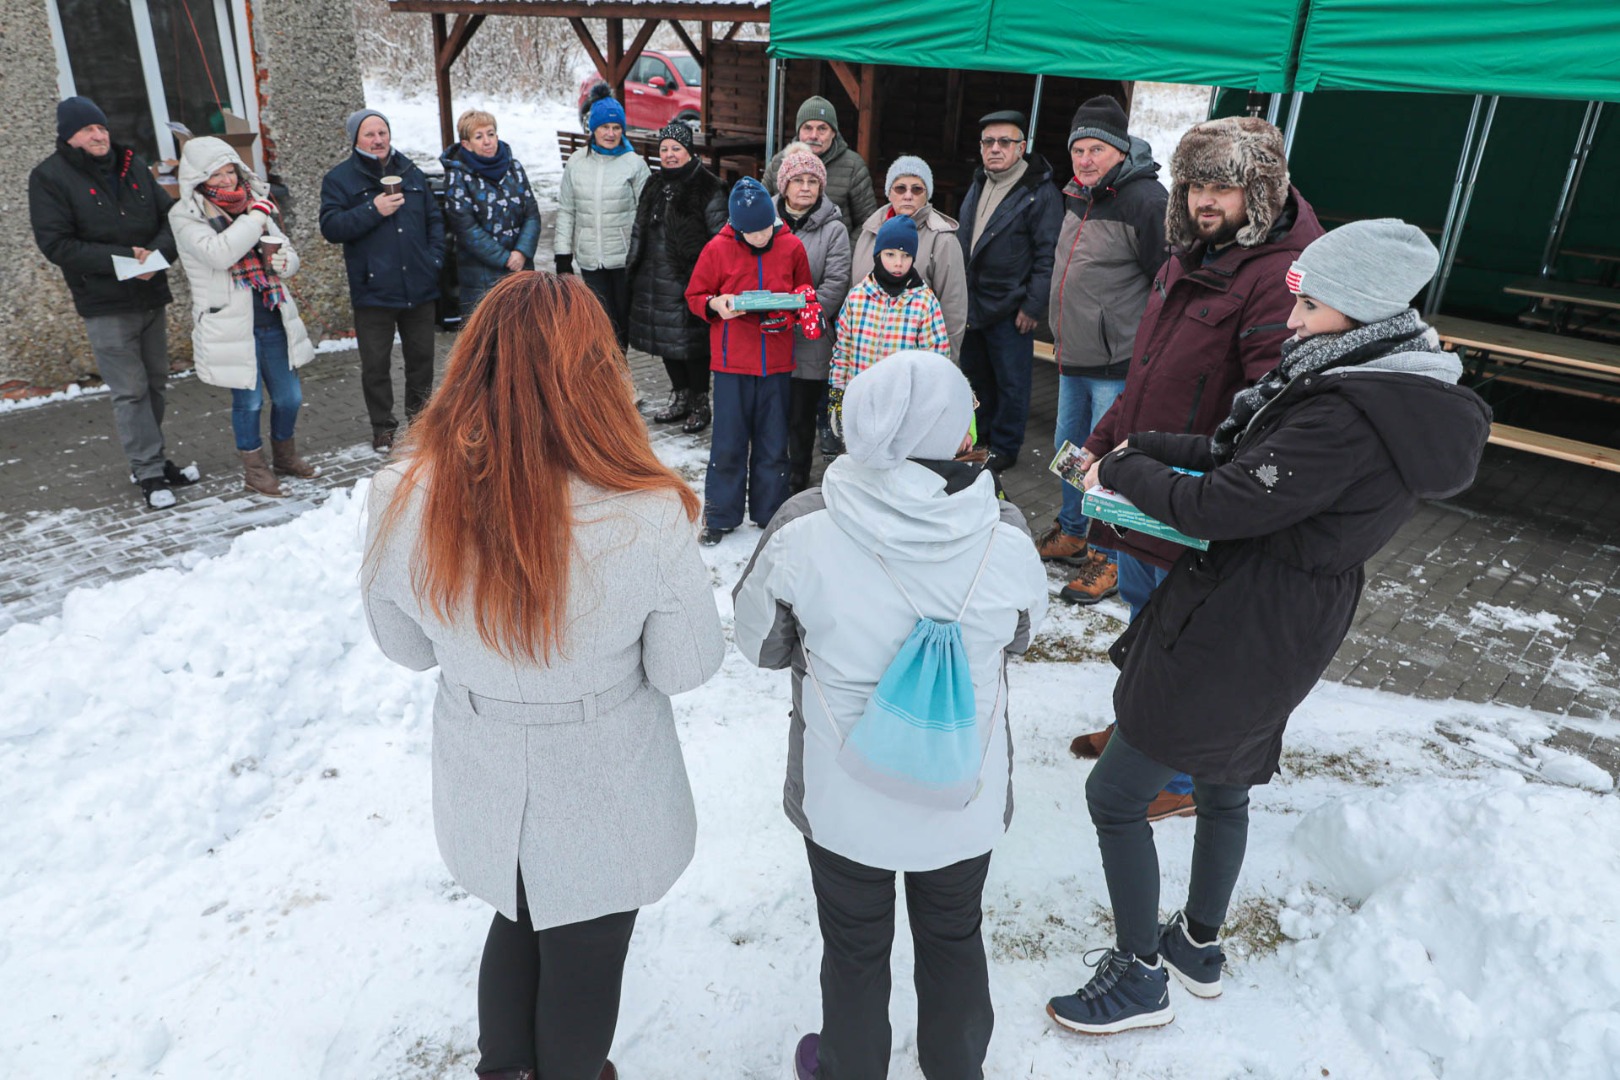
(997, 360)
(1082, 401)
(276, 375)
(748, 449)
(1137, 580)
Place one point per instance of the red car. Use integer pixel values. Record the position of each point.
(660, 87)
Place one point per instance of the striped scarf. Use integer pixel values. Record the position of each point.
(251, 271)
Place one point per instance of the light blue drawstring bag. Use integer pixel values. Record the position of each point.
(918, 739)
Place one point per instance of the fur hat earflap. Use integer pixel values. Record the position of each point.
(1241, 150)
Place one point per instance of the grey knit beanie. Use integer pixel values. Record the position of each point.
(910, 165)
(910, 404)
(1369, 270)
(358, 117)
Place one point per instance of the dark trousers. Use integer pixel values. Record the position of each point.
(374, 329)
(748, 449)
(612, 287)
(855, 905)
(998, 362)
(690, 374)
(1118, 791)
(548, 1000)
(132, 354)
(805, 409)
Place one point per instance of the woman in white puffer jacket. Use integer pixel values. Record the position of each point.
(246, 334)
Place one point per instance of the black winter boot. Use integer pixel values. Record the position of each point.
(700, 415)
(679, 407)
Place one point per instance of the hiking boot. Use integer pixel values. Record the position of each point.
(1195, 966)
(710, 537)
(1098, 579)
(175, 476)
(700, 415)
(678, 408)
(285, 461)
(156, 493)
(1091, 746)
(1169, 804)
(382, 439)
(1058, 546)
(1125, 993)
(256, 474)
(807, 1057)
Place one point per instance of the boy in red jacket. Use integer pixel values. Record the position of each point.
(751, 355)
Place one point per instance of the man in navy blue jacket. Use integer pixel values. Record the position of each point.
(1010, 219)
(393, 246)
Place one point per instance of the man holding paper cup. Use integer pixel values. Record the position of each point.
(98, 214)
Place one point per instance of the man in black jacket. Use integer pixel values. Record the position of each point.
(393, 247)
(90, 203)
(1010, 219)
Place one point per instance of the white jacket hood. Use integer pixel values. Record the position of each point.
(905, 513)
(201, 157)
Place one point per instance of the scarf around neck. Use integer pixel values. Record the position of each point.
(794, 221)
(1403, 333)
(893, 284)
(622, 148)
(251, 271)
(491, 168)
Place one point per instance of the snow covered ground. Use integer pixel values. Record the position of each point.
(214, 804)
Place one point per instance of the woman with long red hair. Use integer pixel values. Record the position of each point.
(531, 545)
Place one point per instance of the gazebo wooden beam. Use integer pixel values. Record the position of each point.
(582, 9)
(686, 39)
(866, 107)
(633, 53)
(458, 38)
(448, 43)
(849, 80)
(583, 32)
(732, 33)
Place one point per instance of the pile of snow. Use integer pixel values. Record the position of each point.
(215, 809)
(67, 393)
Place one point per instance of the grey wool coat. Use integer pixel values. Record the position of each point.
(572, 769)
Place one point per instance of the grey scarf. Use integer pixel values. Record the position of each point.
(1403, 333)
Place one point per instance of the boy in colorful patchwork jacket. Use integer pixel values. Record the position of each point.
(890, 310)
(751, 355)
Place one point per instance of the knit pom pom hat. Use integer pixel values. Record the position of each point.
(749, 207)
(797, 160)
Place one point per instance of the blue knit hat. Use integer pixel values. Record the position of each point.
(750, 207)
(899, 233)
(606, 111)
(75, 114)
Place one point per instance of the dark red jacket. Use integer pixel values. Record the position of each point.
(1208, 332)
(729, 265)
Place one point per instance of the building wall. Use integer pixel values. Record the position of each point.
(309, 80)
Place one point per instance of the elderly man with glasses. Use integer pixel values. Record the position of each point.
(1010, 221)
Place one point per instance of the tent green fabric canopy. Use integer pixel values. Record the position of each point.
(1241, 43)
(1516, 48)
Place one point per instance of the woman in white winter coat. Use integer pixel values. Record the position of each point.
(246, 334)
(531, 546)
(596, 213)
(842, 578)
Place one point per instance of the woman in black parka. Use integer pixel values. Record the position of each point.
(681, 208)
(1318, 465)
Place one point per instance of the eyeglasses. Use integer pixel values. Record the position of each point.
(1002, 141)
(913, 189)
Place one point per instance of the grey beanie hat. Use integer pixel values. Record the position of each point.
(358, 117)
(1369, 270)
(910, 165)
(910, 404)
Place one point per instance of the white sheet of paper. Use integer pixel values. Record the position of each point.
(126, 267)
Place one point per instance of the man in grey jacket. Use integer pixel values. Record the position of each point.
(849, 181)
(1110, 246)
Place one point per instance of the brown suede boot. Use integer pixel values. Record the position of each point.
(256, 474)
(1091, 744)
(285, 460)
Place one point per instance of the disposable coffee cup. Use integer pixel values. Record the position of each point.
(269, 245)
(392, 185)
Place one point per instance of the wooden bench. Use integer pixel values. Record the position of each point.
(1553, 362)
(1044, 350)
(1571, 293)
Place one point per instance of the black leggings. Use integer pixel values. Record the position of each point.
(1118, 791)
(548, 1000)
(689, 374)
(612, 287)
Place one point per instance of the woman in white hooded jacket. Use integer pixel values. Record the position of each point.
(817, 599)
(246, 334)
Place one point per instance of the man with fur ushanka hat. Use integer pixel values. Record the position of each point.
(1214, 324)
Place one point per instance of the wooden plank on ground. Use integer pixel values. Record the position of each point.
(1559, 350)
(1535, 442)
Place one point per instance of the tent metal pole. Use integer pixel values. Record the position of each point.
(1462, 210)
(1572, 183)
(1293, 122)
(1456, 195)
(1214, 100)
(1035, 110)
(770, 108)
(1273, 109)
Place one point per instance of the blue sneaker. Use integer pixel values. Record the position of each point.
(807, 1057)
(1195, 966)
(1125, 993)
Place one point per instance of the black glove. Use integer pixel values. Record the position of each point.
(565, 264)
